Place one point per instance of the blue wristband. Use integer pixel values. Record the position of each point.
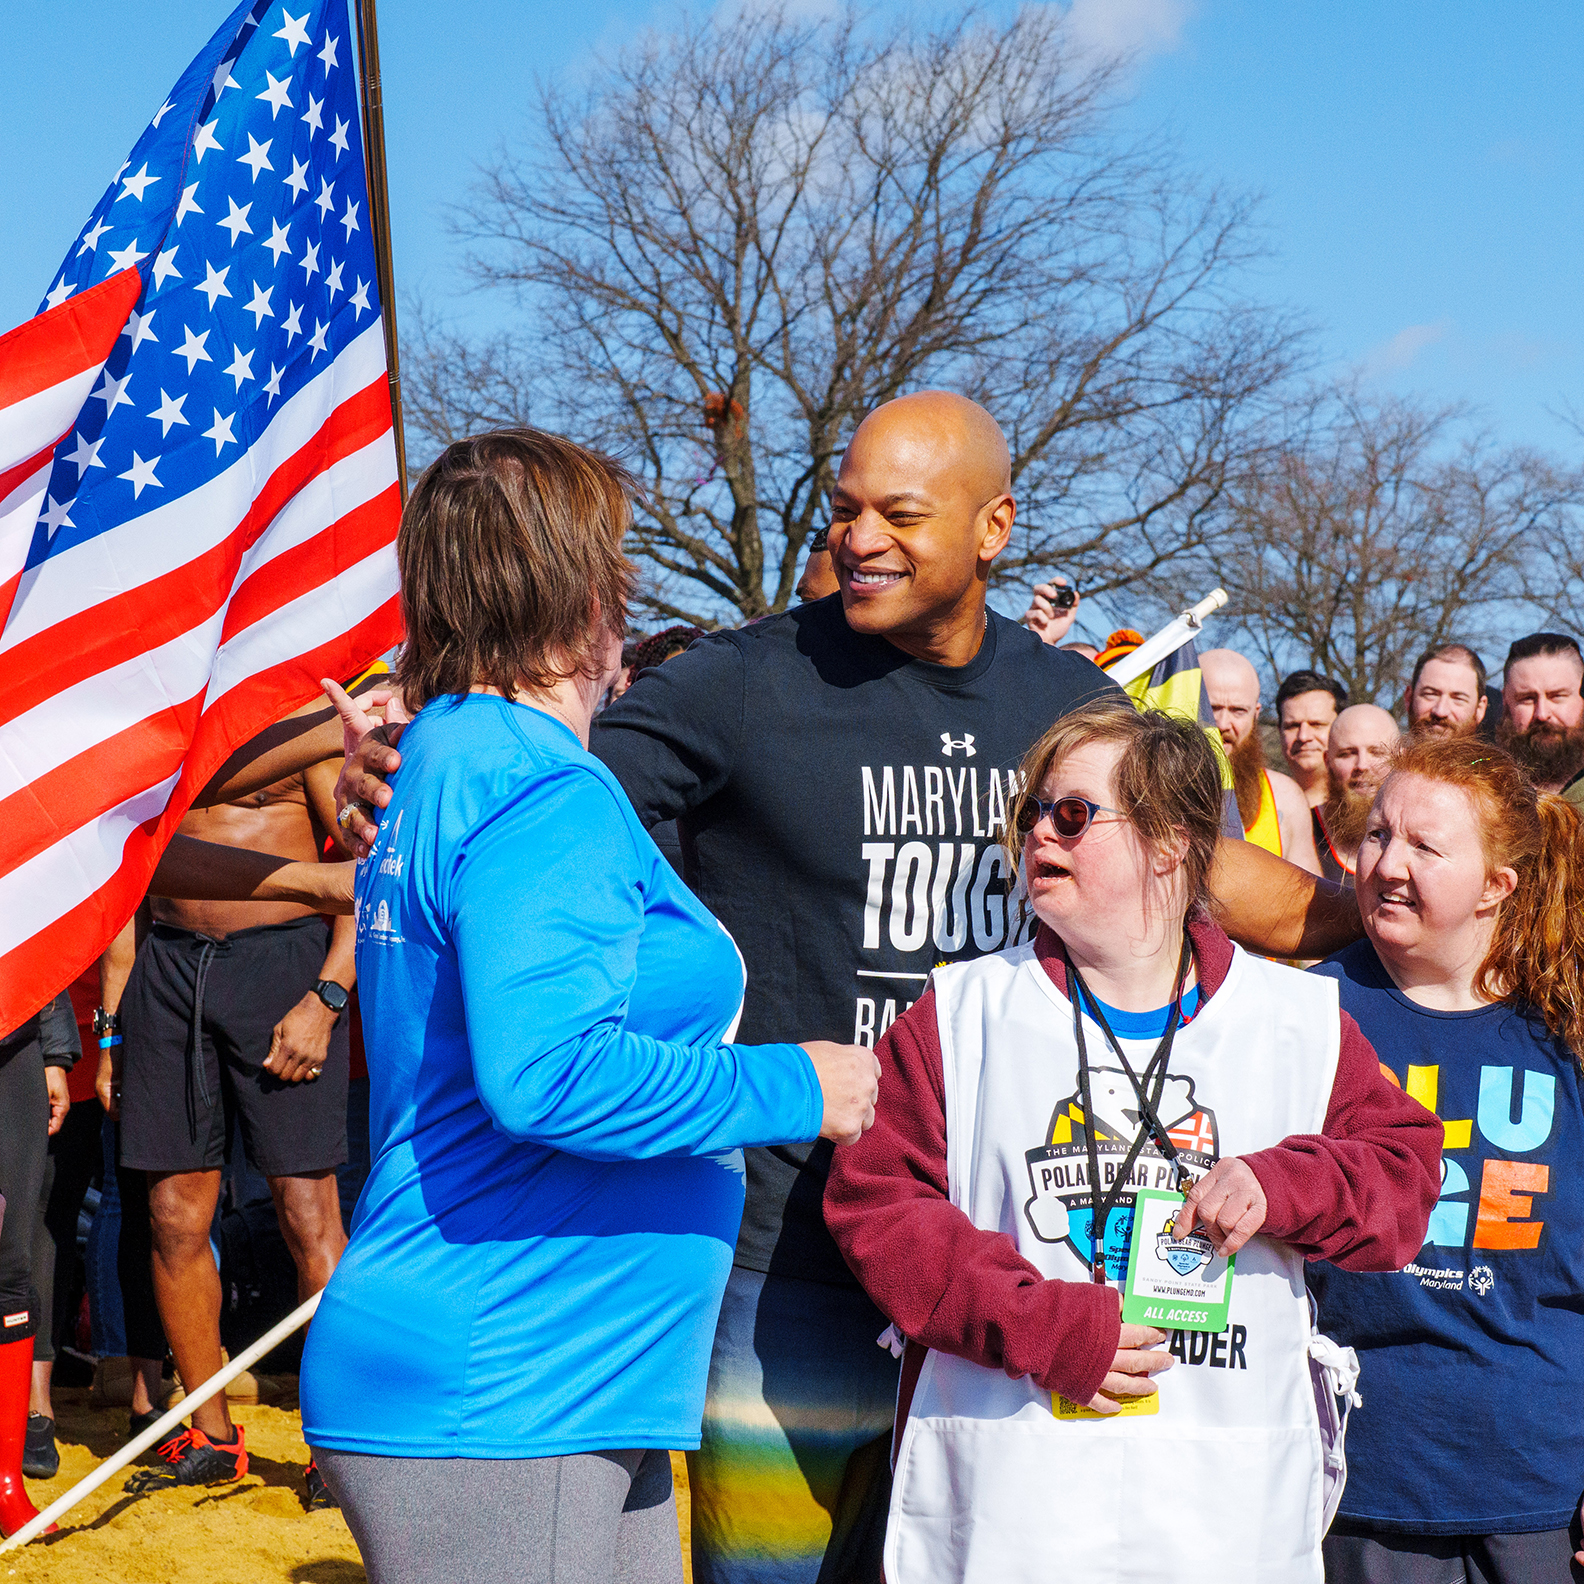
(107, 1040)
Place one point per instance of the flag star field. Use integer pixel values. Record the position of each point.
(239, 312)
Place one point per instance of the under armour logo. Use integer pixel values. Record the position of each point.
(948, 742)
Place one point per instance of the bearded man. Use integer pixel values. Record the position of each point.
(1358, 755)
(1542, 724)
(1446, 695)
(1271, 805)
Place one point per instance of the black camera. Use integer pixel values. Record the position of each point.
(1064, 598)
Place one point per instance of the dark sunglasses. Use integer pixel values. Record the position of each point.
(1070, 816)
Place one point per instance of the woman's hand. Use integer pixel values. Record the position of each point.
(849, 1080)
(371, 756)
(1136, 1360)
(107, 1082)
(1228, 1202)
(59, 1097)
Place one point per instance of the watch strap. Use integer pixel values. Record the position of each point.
(335, 996)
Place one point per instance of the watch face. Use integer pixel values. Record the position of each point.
(332, 994)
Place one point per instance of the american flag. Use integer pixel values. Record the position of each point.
(216, 529)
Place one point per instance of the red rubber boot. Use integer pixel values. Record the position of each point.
(16, 1374)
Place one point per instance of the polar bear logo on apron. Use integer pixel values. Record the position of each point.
(1060, 1208)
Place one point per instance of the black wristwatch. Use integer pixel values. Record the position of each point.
(333, 995)
(106, 1022)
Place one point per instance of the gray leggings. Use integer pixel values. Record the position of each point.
(584, 1518)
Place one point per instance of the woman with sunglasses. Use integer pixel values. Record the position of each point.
(1025, 1099)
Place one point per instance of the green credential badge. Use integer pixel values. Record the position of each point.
(1175, 1284)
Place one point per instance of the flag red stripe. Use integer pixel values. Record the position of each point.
(130, 624)
(76, 335)
(7, 594)
(89, 784)
(269, 695)
(44, 964)
(15, 475)
(316, 561)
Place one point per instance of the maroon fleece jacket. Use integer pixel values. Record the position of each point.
(1358, 1194)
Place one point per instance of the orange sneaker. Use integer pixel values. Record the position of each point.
(191, 1458)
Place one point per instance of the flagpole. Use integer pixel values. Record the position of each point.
(379, 213)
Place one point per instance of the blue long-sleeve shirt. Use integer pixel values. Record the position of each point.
(538, 1256)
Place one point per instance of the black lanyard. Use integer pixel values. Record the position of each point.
(1147, 1088)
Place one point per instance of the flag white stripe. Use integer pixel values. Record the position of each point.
(176, 532)
(19, 516)
(306, 623)
(36, 420)
(32, 484)
(326, 498)
(51, 883)
(112, 700)
(99, 707)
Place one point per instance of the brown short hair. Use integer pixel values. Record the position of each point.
(1168, 781)
(512, 571)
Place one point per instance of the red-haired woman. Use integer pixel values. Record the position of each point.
(1468, 1456)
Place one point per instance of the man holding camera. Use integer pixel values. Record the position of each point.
(1052, 610)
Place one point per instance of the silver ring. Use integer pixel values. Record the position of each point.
(344, 818)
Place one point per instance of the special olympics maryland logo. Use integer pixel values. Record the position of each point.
(1184, 1255)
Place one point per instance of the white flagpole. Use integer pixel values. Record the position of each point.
(1169, 639)
(163, 1426)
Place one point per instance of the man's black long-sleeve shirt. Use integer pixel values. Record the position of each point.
(841, 808)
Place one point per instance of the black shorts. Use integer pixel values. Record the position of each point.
(196, 1020)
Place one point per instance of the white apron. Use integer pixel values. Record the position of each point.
(1223, 1484)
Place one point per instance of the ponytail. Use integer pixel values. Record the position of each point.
(1536, 954)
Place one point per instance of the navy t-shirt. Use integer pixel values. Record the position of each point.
(1472, 1356)
(841, 808)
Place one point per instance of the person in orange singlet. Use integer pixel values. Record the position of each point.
(1271, 805)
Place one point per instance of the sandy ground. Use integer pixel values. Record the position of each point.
(253, 1532)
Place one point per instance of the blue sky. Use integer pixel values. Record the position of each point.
(1419, 162)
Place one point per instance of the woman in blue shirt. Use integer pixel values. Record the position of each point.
(520, 1326)
(1467, 1458)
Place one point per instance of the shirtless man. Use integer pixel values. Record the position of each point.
(236, 1008)
(1358, 755)
(1306, 705)
(1274, 812)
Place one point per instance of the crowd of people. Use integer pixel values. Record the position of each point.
(777, 1041)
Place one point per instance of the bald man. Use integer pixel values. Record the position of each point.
(840, 777)
(1271, 805)
(1358, 755)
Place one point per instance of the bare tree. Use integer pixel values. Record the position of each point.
(1375, 529)
(1553, 567)
(746, 235)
